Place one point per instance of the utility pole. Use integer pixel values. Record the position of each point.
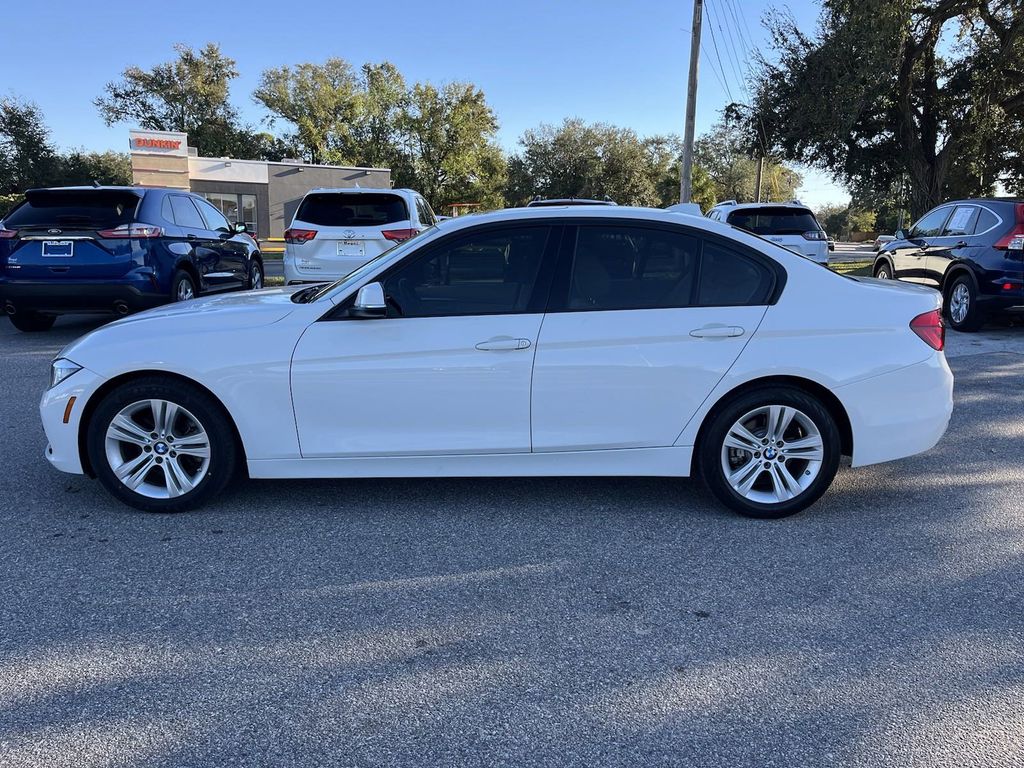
(760, 172)
(686, 171)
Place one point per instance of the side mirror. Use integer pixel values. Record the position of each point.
(900, 234)
(240, 228)
(370, 302)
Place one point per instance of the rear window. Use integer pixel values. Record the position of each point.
(774, 221)
(359, 209)
(74, 209)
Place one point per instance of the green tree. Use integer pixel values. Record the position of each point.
(930, 89)
(319, 101)
(725, 153)
(448, 149)
(27, 158)
(81, 167)
(188, 94)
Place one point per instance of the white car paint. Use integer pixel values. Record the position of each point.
(591, 393)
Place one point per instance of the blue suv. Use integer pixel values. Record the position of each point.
(971, 250)
(117, 250)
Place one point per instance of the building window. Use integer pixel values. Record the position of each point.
(235, 207)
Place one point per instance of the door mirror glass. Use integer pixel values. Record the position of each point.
(370, 302)
(900, 234)
(240, 228)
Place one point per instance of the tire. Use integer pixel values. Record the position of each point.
(119, 439)
(883, 271)
(32, 322)
(255, 280)
(961, 306)
(183, 287)
(791, 483)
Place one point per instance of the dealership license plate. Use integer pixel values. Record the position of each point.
(58, 248)
(351, 248)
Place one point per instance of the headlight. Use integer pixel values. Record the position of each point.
(60, 369)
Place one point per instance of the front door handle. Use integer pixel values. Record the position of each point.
(503, 343)
(717, 332)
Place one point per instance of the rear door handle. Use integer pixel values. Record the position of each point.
(717, 332)
(503, 343)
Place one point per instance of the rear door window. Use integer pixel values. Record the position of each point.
(630, 267)
(215, 220)
(425, 213)
(352, 209)
(728, 278)
(962, 221)
(771, 220)
(185, 213)
(74, 209)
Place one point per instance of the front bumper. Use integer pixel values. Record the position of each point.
(901, 413)
(62, 450)
(77, 296)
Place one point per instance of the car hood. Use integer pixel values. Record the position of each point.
(226, 312)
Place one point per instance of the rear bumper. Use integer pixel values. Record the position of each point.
(901, 413)
(78, 296)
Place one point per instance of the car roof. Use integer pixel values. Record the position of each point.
(102, 187)
(360, 190)
(566, 201)
(747, 206)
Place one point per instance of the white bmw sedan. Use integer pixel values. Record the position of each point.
(550, 341)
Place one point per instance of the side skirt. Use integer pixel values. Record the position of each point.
(631, 462)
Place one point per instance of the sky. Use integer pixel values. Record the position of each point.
(617, 61)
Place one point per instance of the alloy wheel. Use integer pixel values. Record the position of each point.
(157, 449)
(257, 277)
(185, 290)
(959, 303)
(772, 454)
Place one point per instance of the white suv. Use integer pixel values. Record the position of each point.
(791, 225)
(337, 230)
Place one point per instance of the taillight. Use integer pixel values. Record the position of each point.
(1014, 239)
(299, 236)
(142, 231)
(930, 328)
(398, 235)
(815, 234)
(7, 234)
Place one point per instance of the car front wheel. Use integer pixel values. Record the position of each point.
(770, 453)
(883, 271)
(255, 275)
(161, 445)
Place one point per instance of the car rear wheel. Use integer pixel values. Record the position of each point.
(883, 271)
(770, 453)
(183, 287)
(161, 445)
(32, 322)
(255, 275)
(962, 306)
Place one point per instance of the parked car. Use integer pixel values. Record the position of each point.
(970, 250)
(524, 342)
(791, 225)
(117, 250)
(882, 240)
(335, 231)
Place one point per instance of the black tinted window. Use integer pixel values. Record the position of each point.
(986, 220)
(69, 209)
(962, 221)
(185, 214)
(729, 278)
(930, 224)
(774, 221)
(622, 267)
(490, 273)
(352, 209)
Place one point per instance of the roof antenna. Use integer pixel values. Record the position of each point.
(96, 184)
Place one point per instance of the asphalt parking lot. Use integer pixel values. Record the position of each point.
(556, 622)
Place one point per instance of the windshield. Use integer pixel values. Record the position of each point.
(356, 275)
(774, 220)
(74, 209)
(351, 209)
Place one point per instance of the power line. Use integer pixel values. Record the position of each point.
(738, 68)
(712, 23)
(718, 56)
